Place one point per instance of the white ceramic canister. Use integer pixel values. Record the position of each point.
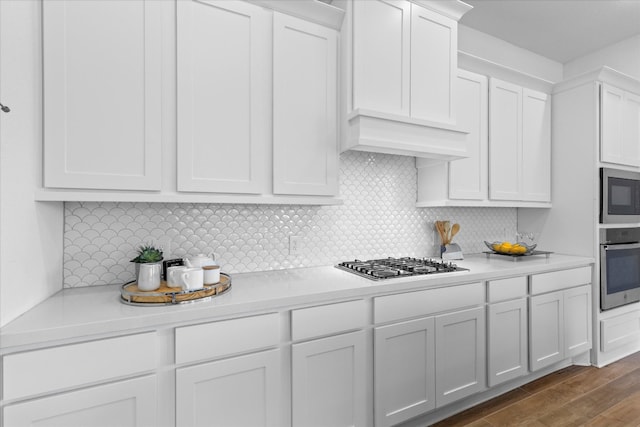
(173, 276)
(149, 276)
(211, 274)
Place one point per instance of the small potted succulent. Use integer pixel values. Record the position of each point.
(148, 267)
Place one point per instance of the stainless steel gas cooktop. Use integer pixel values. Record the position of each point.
(388, 268)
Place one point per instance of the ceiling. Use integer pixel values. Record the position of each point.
(561, 30)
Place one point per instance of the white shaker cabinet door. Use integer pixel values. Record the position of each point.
(329, 381)
(237, 392)
(434, 64)
(130, 403)
(102, 94)
(224, 111)
(631, 128)
(546, 329)
(305, 145)
(381, 55)
(507, 341)
(468, 177)
(577, 325)
(620, 118)
(460, 355)
(404, 372)
(505, 140)
(536, 146)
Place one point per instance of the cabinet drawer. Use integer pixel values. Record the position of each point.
(620, 330)
(506, 289)
(556, 280)
(218, 339)
(50, 369)
(327, 319)
(421, 303)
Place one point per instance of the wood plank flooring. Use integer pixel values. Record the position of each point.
(574, 396)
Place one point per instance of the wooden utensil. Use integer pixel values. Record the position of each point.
(447, 227)
(440, 228)
(454, 230)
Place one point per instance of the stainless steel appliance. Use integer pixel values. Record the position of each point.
(619, 196)
(389, 268)
(619, 267)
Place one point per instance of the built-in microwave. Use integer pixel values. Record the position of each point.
(619, 196)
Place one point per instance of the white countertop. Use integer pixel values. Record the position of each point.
(78, 312)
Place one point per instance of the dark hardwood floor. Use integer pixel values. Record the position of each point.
(574, 396)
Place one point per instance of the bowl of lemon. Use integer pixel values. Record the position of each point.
(508, 248)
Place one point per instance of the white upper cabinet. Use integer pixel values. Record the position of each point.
(519, 143)
(434, 65)
(305, 151)
(381, 53)
(223, 97)
(620, 118)
(509, 148)
(102, 94)
(536, 146)
(400, 67)
(468, 177)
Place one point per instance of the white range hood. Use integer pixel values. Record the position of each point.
(399, 73)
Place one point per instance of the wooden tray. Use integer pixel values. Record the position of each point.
(130, 294)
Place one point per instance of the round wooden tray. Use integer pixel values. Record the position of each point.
(130, 294)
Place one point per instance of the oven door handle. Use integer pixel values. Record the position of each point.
(620, 246)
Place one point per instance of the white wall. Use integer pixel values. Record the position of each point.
(506, 54)
(30, 232)
(623, 56)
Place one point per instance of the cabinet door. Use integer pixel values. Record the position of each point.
(460, 355)
(577, 325)
(328, 381)
(468, 177)
(241, 391)
(536, 146)
(381, 55)
(129, 403)
(612, 116)
(224, 111)
(546, 330)
(102, 94)
(305, 151)
(631, 129)
(404, 371)
(507, 340)
(505, 140)
(434, 64)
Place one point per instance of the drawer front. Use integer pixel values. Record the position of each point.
(328, 319)
(421, 303)
(507, 289)
(620, 330)
(50, 369)
(556, 280)
(226, 337)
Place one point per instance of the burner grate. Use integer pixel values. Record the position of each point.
(387, 268)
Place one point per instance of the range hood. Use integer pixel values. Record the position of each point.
(400, 67)
(394, 134)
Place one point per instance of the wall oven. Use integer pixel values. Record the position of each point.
(619, 267)
(619, 196)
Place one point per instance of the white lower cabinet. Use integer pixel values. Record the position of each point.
(129, 403)
(240, 391)
(560, 325)
(460, 355)
(329, 381)
(404, 376)
(507, 341)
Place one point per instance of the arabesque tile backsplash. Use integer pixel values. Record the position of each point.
(378, 219)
